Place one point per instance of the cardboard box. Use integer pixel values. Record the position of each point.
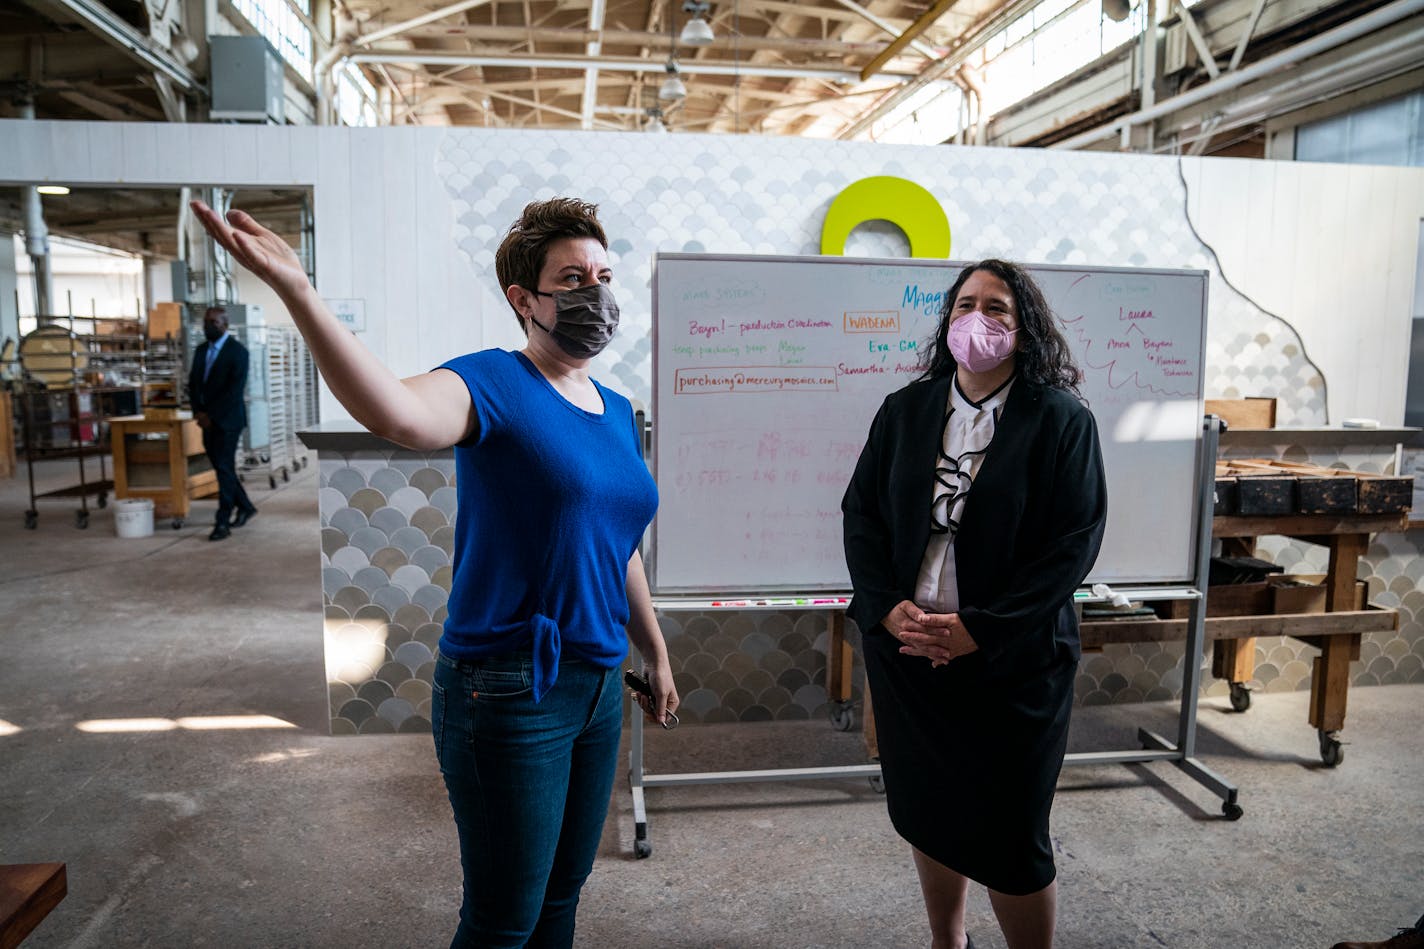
(1305, 593)
(1239, 599)
(164, 320)
(1244, 413)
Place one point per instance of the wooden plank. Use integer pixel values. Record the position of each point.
(1305, 525)
(1330, 684)
(1096, 634)
(28, 892)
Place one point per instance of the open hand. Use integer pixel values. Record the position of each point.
(256, 248)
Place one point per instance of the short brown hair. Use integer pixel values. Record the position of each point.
(521, 254)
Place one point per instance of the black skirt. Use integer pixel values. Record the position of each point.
(970, 762)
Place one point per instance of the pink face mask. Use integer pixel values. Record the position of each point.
(979, 343)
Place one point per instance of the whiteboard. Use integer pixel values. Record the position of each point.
(767, 372)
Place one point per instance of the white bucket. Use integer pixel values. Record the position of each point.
(133, 517)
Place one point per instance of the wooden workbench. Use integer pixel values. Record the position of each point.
(161, 459)
(1336, 632)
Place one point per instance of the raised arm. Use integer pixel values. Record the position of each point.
(424, 412)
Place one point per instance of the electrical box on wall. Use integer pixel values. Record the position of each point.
(246, 79)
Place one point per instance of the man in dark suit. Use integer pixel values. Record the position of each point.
(216, 386)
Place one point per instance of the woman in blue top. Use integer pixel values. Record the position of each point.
(548, 585)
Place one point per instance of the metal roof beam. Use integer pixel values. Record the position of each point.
(614, 64)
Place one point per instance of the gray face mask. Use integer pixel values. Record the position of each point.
(584, 319)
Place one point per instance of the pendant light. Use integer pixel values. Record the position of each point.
(697, 32)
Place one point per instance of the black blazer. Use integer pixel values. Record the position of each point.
(1030, 532)
(223, 395)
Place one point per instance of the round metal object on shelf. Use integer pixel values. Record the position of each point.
(51, 355)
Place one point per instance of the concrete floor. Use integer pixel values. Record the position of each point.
(285, 837)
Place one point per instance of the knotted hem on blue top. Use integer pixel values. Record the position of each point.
(546, 644)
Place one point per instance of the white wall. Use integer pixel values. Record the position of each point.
(407, 220)
(1330, 249)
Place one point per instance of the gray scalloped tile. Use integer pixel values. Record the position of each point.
(349, 520)
(700, 665)
(698, 702)
(430, 596)
(392, 674)
(443, 577)
(410, 578)
(415, 725)
(389, 519)
(369, 540)
(332, 540)
(350, 559)
(368, 501)
(412, 616)
(416, 692)
(336, 614)
(333, 579)
(375, 692)
(395, 710)
(350, 599)
(810, 697)
(346, 480)
(444, 538)
(429, 634)
(390, 598)
(370, 579)
(372, 613)
(428, 480)
(409, 500)
(413, 654)
(429, 519)
(430, 558)
(445, 500)
(330, 499)
(390, 559)
(410, 539)
(339, 693)
(356, 711)
(343, 727)
(388, 481)
(375, 725)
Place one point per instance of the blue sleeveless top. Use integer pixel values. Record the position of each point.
(552, 503)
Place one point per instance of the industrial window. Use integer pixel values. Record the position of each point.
(283, 28)
(355, 97)
(1028, 55)
(1387, 133)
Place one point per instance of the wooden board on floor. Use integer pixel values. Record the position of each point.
(28, 891)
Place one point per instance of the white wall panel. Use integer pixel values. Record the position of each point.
(406, 219)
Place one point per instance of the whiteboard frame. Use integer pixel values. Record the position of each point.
(1189, 540)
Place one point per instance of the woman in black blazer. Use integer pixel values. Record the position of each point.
(975, 510)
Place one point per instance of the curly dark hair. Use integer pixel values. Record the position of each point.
(1043, 355)
(521, 254)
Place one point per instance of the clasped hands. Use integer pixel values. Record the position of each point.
(938, 637)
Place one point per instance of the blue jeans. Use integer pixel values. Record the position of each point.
(529, 784)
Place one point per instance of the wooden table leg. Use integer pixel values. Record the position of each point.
(872, 744)
(1330, 682)
(840, 659)
(1234, 659)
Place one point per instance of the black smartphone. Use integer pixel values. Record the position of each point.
(638, 682)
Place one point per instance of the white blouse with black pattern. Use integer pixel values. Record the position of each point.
(968, 430)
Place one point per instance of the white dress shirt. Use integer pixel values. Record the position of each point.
(968, 430)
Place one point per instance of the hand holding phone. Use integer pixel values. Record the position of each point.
(637, 682)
